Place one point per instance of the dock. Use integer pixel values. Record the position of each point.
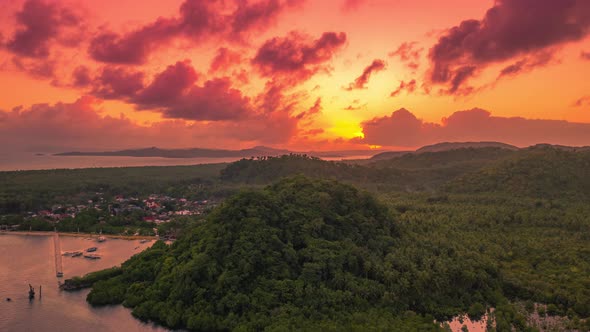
(58, 262)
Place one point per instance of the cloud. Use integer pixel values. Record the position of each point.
(39, 68)
(408, 53)
(81, 126)
(168, 86)
(39, 24)
(174, 93)
(255, 16)
(583, 101)
(404, 129)
(81, 77)
(224, 59)
(361, 81)
(216, 100)
(407, 86)
(116, 82)
(134, 47)
(296, 57)
(511, 28)
(197, 21)
(526, 64)
(312, 111)
(585, 55)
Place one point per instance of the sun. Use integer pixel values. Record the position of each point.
(346, 129)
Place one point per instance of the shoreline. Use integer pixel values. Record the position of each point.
(87, 235)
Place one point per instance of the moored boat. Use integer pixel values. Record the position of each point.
(91, 249)
(92, 256)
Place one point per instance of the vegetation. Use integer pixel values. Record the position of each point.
(442, 234)
(22, 191)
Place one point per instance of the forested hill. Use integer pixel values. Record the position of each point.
(269, 169)
(543, 172)
(298, 255)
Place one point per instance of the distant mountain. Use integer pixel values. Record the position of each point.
(445, 146)
(389, 155)
(257, 151)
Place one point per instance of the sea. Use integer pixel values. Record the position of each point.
(31, 161)
(29, 259)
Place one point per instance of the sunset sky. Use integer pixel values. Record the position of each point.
(303, 75)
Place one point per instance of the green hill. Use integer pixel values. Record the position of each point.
(269, 169)
(543, 172)
(298, 255)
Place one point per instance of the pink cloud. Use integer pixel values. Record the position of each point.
(168, 86)
(81, 76)
(296, 57)
(224, 59)
(404, 129)
(40, 24)
(509, 29)
(409, 54)
(81, 126)
(115, 82)
(360, 82)
(404, 86)
(197, 21)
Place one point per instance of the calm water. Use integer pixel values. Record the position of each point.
(30, 161)
(28, 259)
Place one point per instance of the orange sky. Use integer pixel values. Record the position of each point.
(292, 72)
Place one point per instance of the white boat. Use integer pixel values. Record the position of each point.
(101, 239)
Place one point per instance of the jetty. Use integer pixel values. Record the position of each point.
(58, 263)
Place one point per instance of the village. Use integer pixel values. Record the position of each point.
(155, 209)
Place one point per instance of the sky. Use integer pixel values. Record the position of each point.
(296, 74)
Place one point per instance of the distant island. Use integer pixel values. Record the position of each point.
(258, 151)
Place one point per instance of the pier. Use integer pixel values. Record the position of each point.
(58, 263)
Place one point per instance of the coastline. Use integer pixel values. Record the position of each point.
(88, 235)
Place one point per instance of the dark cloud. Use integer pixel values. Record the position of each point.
(296, 57)
(134, 47)
(585, 55)
(81, 77)
(404, 86)
(197, 21)
(510, 29)
(256, 15)
(409, 54)
(168, 86)
(117, 83)
(216, 100)
(404, 129)
(40, 23)
(360, 82)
